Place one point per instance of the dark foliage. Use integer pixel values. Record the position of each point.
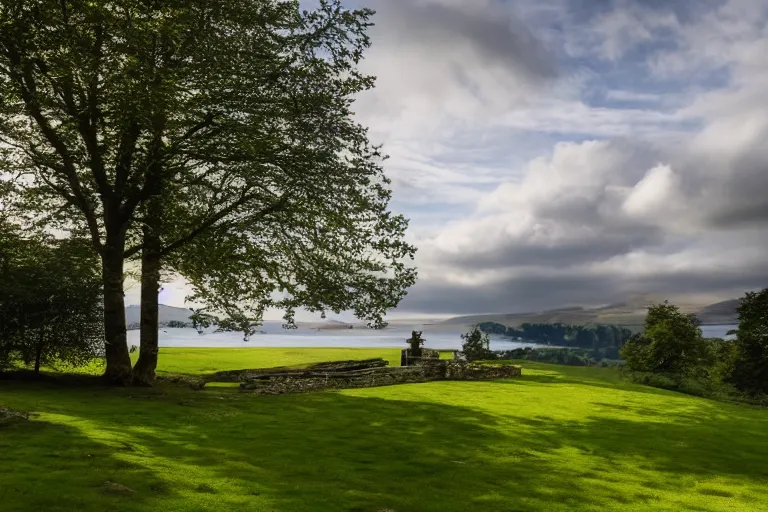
(50, 302)
(671, 344)
(476, 345)
(749, 372)
(604, 340)
(565, 356)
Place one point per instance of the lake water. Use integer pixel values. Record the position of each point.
(717, 331)
(437, 337)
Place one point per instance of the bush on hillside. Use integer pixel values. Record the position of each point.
(476, 345)
(671, 344)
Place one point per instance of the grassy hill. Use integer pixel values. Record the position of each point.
(557, 439)
(721, 312)
(630, 313)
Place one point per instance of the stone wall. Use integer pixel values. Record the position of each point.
(331, 366)
(408, 359)
(275, 383)
(461, 370)
(278, 385)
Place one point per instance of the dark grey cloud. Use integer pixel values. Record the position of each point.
(741, 197)
(541, 292)
(702, 240)
(520, 295)
(601, 245)
(495, 35)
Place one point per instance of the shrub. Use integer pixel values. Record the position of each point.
(671, 344)
(476, 345)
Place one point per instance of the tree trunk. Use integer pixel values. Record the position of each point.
(39, 354)
(118, 369)
(144, 371)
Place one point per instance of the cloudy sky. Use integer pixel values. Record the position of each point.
(560, 152)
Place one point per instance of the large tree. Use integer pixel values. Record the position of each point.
(671, 343)
(175, 128)
(750, 367)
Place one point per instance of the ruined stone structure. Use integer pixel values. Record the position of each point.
(409, 358)
(361, 374)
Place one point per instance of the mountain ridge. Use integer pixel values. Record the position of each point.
(629, 313)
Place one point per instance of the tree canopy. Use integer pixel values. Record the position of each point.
(750, 365)
(213, 138)
(50, 301)
(671, 343)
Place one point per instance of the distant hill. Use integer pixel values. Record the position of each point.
(720, 312)
(630, 313)
(166, 314)
(332, 325)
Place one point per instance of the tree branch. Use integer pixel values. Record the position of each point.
(88, 122)
(213, 219)
(145, 192)
(22, 74)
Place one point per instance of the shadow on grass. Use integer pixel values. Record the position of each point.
(333, 451)
(50, 466)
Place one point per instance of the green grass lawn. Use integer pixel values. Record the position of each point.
(208, 360)
(559, 438)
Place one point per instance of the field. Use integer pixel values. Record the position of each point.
(559, 438)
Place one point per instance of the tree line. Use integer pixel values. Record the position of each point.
(604, 340)
(671, 352)
(146, 131)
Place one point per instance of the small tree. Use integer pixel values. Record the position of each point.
(750, 365)
(476, 345)
(50, 303)
(671, 343)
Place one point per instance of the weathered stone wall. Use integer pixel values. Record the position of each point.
(331, 366)
(407, 358)
(278, 385)
(461, 370)
(299, 382)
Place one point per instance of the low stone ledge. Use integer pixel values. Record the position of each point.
(312, 380)
(329, 366)
(460, 370)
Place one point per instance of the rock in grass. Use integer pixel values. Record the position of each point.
(9, 416)
(116, 488)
